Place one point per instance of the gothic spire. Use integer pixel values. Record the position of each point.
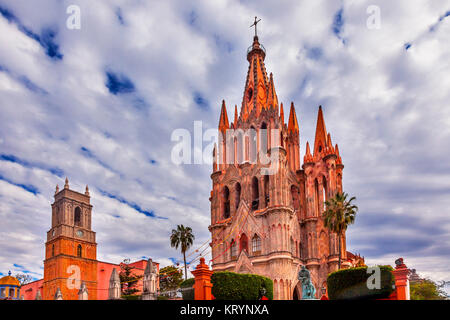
(320, 141)
(149, 267)
(235, 116)
(257, 83)
(282, 113)
(293, 123)
(308, 157)
(66, 184)
(223, 122)
(272, 96)
(339, 159)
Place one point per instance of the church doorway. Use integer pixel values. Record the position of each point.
(296, 295)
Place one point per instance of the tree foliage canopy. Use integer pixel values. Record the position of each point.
(170, 279)
(427, 289)
(128, 280)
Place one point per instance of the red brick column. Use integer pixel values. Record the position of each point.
(203, 284)
(401, 280)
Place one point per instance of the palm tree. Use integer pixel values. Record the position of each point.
(339, 213)
(184, 238)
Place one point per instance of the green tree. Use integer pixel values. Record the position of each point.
(128, 280)
(23, 278)
(339, 213)
(184, 238)
(427, 289)
(170, 279)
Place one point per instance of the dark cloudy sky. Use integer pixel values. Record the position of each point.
(99, 105)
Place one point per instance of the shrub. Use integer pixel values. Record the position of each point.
(131, 297)
(188, 294)
(352, 284)
(236, 286)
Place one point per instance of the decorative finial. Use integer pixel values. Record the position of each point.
(254, 24)
(87, 190)
(57, 189)
(9, 273)
(66, 184)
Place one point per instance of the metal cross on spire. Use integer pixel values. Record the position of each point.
(254, 24)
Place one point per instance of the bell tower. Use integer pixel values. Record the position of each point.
(70, 250)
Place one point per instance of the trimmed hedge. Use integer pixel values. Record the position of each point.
(131, 297)
(351, 284)
(188, 294)
(240, 286)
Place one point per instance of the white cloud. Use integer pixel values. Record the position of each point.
(386, 107)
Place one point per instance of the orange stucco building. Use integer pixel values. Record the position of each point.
(71, 253)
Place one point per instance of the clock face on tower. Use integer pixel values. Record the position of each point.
(53, 232)
(80, 233)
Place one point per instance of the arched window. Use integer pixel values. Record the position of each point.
(295, 197)
(226, 202)
(256, 245)
(324, 193)
(77, 216)
(292, 247)
(11, 292)
(53, 250)
(237, 194)
(233, 251)
(253, 145)
(263, 141)
(57, 216)
(79, 251)
(247, 148)
(266, 190)
(255, 194)
(239, 140)
(316, 196)
(235, 143)
(243, 244)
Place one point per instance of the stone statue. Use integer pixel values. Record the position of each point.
(308, 290)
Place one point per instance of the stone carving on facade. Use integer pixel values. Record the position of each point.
(150, 283)
(83, 292)
(114, 290)
(58, 294)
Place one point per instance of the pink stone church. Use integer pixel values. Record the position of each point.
(271, 224)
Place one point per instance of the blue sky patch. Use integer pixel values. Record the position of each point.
(12, 158)
(314, 53)
(338, 23)
(31, 85)
(119, 16)
(133, 205)
(27, 187)
(201, 101)
(46, 39)
(118, 83)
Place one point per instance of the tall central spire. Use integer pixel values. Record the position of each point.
(259, 91)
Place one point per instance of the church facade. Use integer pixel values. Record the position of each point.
(268, 222)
